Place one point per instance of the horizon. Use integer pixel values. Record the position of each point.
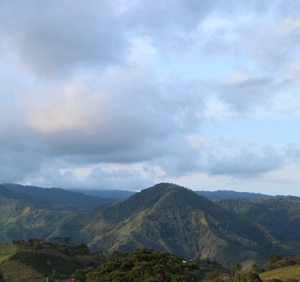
(125, 94)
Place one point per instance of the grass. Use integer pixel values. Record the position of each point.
(6, 251)
(283, 273)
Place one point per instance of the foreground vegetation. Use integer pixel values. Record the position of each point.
(38, 260)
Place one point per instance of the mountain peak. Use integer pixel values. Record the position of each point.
(147, 198)
(166, 195)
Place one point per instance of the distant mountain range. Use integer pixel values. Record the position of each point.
(88, 199)
(211, 195)
(164, 217)
(224, 194)
(55, 198)
(117, 195)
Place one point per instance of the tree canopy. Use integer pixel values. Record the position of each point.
(144, 265)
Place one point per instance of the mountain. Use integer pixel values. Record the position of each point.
(164, 217)
(226, 194)
(171, 218)
(56, 198)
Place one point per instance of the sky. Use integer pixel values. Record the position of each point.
(124, 94)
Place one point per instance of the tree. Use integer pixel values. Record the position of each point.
(144, 265)
(63, 240)
(80, 274)
(254, 268)
(235, 268)
(247, 277)
(274, 258)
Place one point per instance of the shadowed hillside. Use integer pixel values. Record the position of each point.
(279, 215)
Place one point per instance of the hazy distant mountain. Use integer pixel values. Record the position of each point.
(56, 198)
(225, 194)
(111, 194)
(212, 195)
(174, 219)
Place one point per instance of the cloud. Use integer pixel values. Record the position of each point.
(122, 90)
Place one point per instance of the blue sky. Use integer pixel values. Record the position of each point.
(124, 94)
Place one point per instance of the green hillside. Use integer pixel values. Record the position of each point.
(174, 219)
(283, 273)
(21, 220)
(6, 251)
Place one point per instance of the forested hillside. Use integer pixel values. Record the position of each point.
(279, 215)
